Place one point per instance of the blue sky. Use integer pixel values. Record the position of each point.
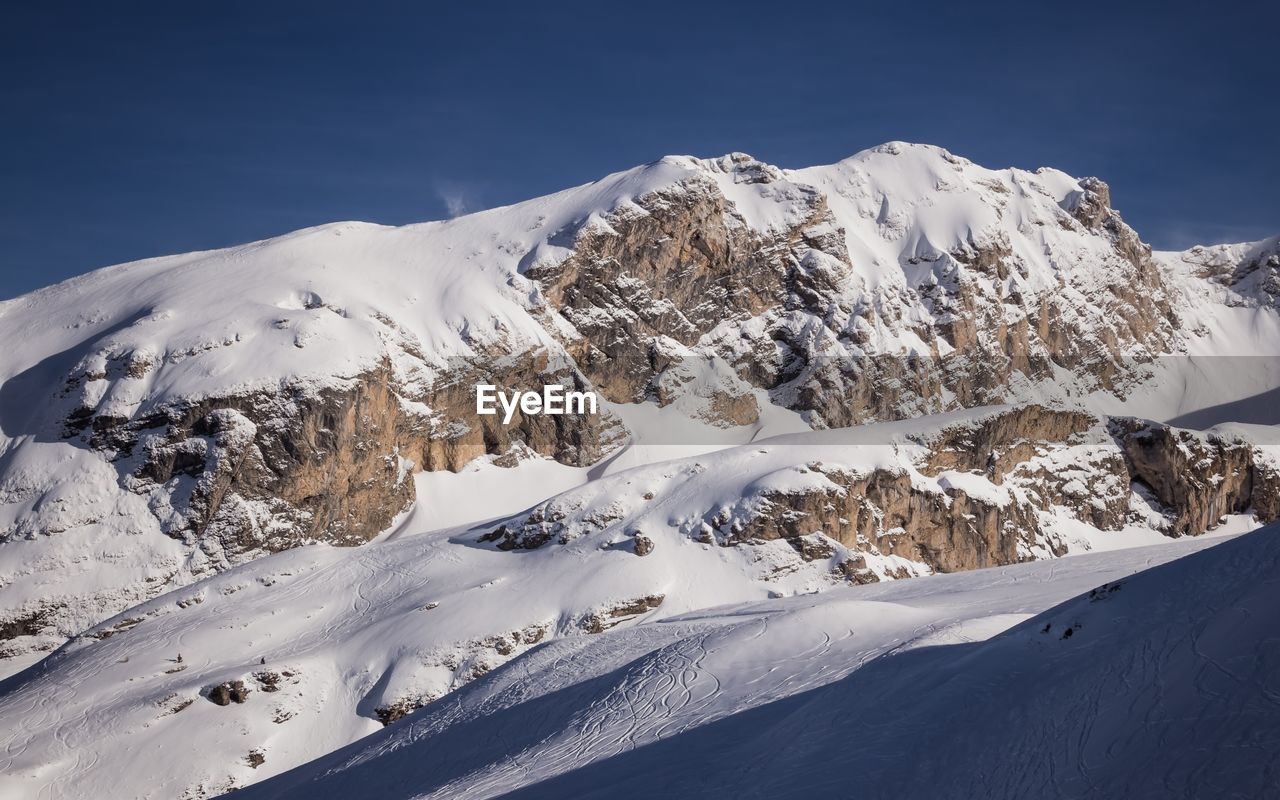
(133, 130)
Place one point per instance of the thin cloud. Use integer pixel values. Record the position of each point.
(458, 198)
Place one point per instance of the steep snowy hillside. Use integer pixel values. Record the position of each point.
(1156, 684)
(164, 420)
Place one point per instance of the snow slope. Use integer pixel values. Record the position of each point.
(406, 619)
(950, 686)
(328, 639)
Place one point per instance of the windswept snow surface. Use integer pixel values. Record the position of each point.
(963, 685)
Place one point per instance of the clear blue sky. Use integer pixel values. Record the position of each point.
(131, 130)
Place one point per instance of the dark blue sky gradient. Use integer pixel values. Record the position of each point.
(131, 130)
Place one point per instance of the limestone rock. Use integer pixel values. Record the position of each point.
(1200, 478)
(227, 693)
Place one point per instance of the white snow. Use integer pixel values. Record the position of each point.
(421, 614)
(427, 610)
(948, 686)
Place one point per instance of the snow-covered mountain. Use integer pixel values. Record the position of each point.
(267, 460)
(313, 649)
(1013, 683)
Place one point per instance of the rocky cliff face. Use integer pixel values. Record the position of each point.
(238, 475)
(678, 283)
(1198, 480)
(884, 514)
(241, 475)
(986, 492)
(657, 275)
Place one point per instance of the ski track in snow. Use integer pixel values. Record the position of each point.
(575, 703)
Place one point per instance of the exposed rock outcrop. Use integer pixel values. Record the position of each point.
(1199, 478)
(394, 712)
(1250, 272)
(267, 471)
(671, 265)
(997, 444)
(677, 282)
(979, 493)
(883, 511)
(603, 619)
(225, 694)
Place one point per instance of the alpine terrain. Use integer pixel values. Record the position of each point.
(909, 478)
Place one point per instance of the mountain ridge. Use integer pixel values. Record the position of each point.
(225, 404)
(249, 512)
